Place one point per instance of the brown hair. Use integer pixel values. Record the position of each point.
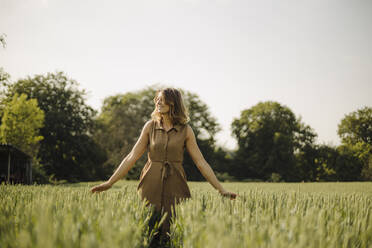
(177, 110)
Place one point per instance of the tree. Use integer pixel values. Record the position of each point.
(20, 124)
(223, 162)
(67, 128)
(356, 127)
(4, 79)
(123, 116)
(336, 164)
(4, 76)
(348, 166)
(268, 136)
(306, 166)
(205, 128)
(119, 125)
(355, 131)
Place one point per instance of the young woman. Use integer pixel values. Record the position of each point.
(165, 136)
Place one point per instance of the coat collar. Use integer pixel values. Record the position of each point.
(159, 125)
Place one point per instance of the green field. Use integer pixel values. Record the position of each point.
(264, 215)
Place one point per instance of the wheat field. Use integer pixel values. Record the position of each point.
(263, 215)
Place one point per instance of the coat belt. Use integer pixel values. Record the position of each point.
(166, 168)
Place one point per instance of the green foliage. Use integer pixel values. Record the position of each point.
(20, 124)
(224, 177)
(72, 143)
(356, 127)
(277, 215)
(4, 76)
(123, 116)
(363, 152)
(67, 150)
(306, 166)
(4, 79)
(39, 176)
(222, 163)
(325, 161)
(119, 126)
(336, 164)
(205, 127)
(350, 161)
(275, 177)
(355, 130)
(268, 136)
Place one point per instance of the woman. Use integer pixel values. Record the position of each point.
(163, 180)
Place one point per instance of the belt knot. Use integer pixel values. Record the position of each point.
(166, 169)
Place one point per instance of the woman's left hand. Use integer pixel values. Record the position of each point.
(230, 195)
(102, 187)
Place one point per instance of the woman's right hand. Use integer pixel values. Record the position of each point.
(227, 194)
(102, 187)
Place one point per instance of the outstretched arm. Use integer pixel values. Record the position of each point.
(128, 162)
(202, 165)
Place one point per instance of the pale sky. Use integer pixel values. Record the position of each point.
(313, 56)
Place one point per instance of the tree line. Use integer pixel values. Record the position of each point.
(47, 117)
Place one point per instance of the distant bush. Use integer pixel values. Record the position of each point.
(252, 180)
(38, 174)
(275, 178)
(225, 177)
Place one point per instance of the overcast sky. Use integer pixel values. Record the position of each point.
(313, 56)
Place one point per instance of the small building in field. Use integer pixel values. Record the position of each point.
(15, 165)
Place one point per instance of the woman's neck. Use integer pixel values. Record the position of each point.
(166, 121)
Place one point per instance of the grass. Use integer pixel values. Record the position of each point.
(263, 215)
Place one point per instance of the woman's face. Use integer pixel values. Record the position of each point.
(160, 104)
